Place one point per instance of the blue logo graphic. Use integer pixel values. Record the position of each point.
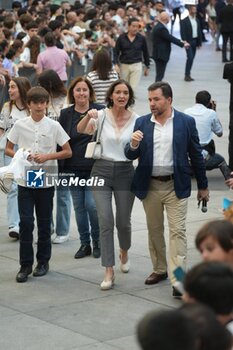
(35, 178)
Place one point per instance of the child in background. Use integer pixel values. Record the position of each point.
(215, 241)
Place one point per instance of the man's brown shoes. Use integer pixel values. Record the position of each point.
(156, 278)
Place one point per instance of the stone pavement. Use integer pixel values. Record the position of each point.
(66, 309)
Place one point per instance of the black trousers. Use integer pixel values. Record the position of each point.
(42, 201)
(160, 69)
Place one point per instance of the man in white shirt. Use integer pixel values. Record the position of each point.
(190, 31)
(207, 123)
(40, 135)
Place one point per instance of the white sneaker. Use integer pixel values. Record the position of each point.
(14, 232)
(60, 239)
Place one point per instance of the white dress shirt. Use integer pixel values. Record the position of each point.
(163, 147)
(194, 26)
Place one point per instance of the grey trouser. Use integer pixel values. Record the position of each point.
(117, 178)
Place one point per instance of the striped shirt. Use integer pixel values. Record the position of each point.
(101, 86)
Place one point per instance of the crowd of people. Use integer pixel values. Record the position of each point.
(69, 76)
(31, 36)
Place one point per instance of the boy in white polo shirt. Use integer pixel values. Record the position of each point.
(40, 135)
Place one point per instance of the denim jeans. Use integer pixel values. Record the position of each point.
(85, 211)
(63, 211)
(12, 202)
(42, 201)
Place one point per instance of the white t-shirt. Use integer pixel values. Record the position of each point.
(25, 55)
(114, 139)
(38, 137)
(8, 118)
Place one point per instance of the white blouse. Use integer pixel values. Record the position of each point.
(113, 139)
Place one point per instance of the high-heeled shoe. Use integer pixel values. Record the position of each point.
(106, 285)
(124, 267)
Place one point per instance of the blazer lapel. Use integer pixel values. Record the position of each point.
(150, 138)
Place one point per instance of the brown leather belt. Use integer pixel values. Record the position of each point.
(164, 178)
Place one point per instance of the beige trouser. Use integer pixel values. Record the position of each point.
(131, 73)
(160, 195)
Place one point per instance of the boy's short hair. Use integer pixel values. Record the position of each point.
(166, 330)
(220, 230)
(31, 25)
(211, 283)
(37, 94)
(210, 333)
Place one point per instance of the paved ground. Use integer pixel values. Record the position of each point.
(66, 310)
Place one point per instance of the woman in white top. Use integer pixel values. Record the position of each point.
(32, 49)
(210, 9)
(12, 111)
(102, 74)
(116, 171)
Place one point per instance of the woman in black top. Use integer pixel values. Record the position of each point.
(81, 96)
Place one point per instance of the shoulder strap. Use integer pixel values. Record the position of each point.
(99, 130)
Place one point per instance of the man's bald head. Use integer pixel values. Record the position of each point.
(164, 17)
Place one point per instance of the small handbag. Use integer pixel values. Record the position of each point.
(94, 148)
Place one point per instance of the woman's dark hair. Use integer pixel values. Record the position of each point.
(37, 94)
(52, 83)
(111, 89)
(34, 47)
(4, 45)
(10, 54)
(74, 82)
(17, 44)
(23, 85)
(20, 35)
(102, 64)
(54, 8)
(220, 230)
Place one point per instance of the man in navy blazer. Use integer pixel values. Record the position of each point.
(161, 40)
(167, 146)
(190, 31)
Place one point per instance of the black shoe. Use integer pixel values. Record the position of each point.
(176, 294)
(14, 234)
(41, 269)
(83, 251)
(188, 78)
(96, 250)
(23, 273)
